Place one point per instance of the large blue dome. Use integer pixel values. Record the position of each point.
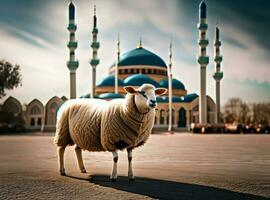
(176, 84)
(140, 56)
(109, 81)
(139, 79)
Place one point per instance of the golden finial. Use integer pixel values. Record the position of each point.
(139, 45)
(170, 48)
(170, 53)
(118, 38)
(118, 43)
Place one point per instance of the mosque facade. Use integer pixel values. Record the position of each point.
(132, 68)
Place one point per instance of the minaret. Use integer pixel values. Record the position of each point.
(94, 61)
(72, 64)
(170, 87)
(218, 75)
(203, 60)
(116, 63)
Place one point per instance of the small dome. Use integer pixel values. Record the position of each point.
(139, 79)
(86, 96)
(109, 81)
(176, 84)
(140, 56)
(110, 96)
(189, 97)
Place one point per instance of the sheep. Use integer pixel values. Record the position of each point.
(100, 125)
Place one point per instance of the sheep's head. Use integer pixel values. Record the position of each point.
(145, 96)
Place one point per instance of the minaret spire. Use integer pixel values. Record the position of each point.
(95, 46)
(203, 60)
(218, 75)
(170, 128)
(72, 64)
(117, 62)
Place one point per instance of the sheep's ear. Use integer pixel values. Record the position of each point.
(160, 91)
(130, 90)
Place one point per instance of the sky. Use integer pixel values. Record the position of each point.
(34, 35)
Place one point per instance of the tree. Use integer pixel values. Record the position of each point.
(261, 113)
(10, 77)
(235, 110)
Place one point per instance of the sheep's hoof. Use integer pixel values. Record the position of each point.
(113, 180)
(83, 171)
(62, 172)
(132, 179)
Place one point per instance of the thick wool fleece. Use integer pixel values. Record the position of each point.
(98, 125)
(82, 117)
(123, 122)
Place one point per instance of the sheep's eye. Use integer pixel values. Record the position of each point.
(143, 94)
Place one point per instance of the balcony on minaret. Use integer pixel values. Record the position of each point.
(94, 62)
(72, 27)
(72, 65)
(95, 30)
(72, 45)
(95, 45)
(218, 59)
(203, 42)
(217, 43)
(203, 60)
(218, 76)
(202, 26)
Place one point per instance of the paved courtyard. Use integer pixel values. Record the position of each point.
(179, 166)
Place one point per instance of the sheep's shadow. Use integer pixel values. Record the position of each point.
(163, 189)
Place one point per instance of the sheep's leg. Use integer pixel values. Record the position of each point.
(78, 151)
(114, 171)
(60, 152)
(130, 170)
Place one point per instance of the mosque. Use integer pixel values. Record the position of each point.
(176, 110)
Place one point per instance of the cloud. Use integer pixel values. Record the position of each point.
(37, 41)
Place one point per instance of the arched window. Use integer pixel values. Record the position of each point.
(35, 110)
(53, 107)
(143, 71)
(13, 108)
(182, 117)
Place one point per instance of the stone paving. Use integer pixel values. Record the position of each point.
(179, 166)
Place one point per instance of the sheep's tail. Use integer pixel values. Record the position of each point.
(62, 135)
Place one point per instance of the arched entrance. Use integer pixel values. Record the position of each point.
(182, 122)
(32, 122)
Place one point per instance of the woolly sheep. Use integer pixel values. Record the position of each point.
(99, 125)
